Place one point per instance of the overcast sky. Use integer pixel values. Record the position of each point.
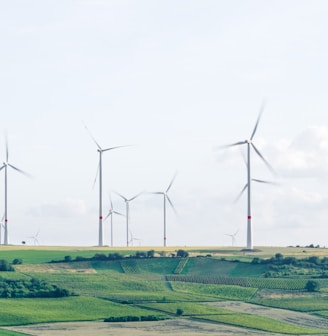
(175, 79)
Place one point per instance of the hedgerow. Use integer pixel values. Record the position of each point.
(32, 288)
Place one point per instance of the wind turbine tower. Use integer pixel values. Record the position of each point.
(166, 198)
(5, 166)
(250, 144)
(100, 151)
(127, 206)
(110, 214)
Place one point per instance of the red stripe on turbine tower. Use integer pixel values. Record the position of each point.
(249, 217)
(100, 217)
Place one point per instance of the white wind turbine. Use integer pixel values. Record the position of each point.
(5, 166)
(110, 214)
(250, 144)
(166, 198)
(127, 214)
(233, 237)
(132, 239)
(35, 238)
(100, 151)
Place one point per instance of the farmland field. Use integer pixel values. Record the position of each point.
(217, 291)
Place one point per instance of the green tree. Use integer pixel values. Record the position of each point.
(312, 286)
(5, 266)
(179, 312)
(150, 254)
(182, 254)
(17, 261)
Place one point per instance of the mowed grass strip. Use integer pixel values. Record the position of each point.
(26, 311)
(218, 291)
(303, 304)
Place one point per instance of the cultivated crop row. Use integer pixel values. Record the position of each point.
(270, 283)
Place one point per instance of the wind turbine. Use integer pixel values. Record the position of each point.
(35, 238)
(100, 151)
(166, 198)
(133, 239)
(110, 214)
(233, 237)
(127, 206)
(250, 144)
(5, 166)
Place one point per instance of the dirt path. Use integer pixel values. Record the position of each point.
(301, 319)
(181, 327)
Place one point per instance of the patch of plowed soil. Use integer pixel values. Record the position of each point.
(298, 318)
(76, 267)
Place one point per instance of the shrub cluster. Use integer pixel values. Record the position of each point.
(5, 266)
(110, 256)
(280, 260)
(32, 288)
(133, 318)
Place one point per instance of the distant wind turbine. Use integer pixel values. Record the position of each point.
(110, 214)
(35, 238)
(250, 144)
(127, 205)
(100, 151)
(233, 237)
(166, 198)
(132, 239)
(5, 166)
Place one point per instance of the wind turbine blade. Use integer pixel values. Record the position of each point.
(175, 211)
(111, 202)
(95, 180)
(264, 160)
(2, 167)
(125, 199)
(19, 170)
(91, 136)
(107, 149)
(240, 194)
(134, 197)
(258, 120)
(232, 145)
(262, 181)
(170, 185)
(109, 214)
(155, 192)
(7, 149)
(118, 213)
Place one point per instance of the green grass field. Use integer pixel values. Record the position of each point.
(9, 333)
(159, 286)
(26, 311)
